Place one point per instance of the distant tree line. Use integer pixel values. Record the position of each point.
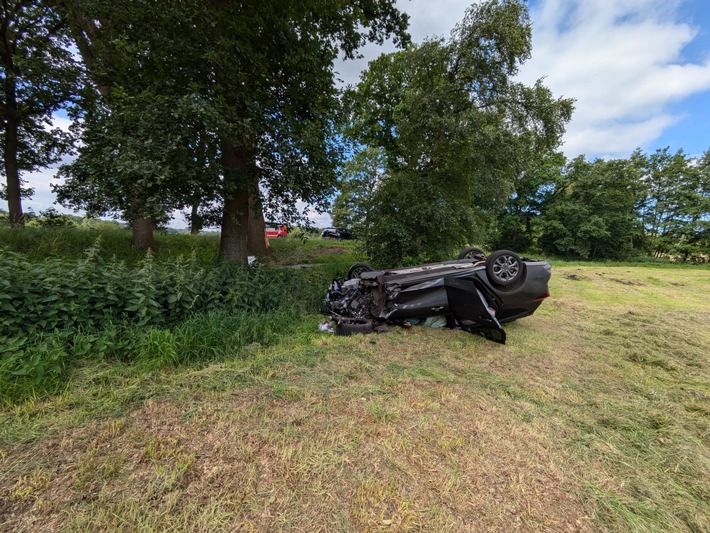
(51, 218)
(650, 204)
(654, 204)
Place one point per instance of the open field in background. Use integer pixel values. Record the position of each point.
(594, 416)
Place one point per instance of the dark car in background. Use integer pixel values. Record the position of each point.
(477, 293)
(337, 233)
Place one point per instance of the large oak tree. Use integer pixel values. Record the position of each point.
(263, 74)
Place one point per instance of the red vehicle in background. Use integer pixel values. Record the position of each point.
(276, 231)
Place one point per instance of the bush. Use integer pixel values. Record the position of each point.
(55, 312)
(51, 218)
(35, 365)
(70, 295)
(38, 244)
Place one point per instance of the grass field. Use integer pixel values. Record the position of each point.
(595, 416)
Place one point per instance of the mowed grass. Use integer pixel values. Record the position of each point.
(595, 416)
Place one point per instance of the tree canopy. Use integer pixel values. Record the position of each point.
(253, 85)
(231, 110)
(457, 130)
(39, 76)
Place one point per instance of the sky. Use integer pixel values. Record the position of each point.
(639, 71)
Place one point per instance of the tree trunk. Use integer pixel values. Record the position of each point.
(143, 234)
(12, 170)
(258, 244)
(195, 219)
(235, 218)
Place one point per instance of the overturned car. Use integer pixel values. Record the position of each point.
(475, 292)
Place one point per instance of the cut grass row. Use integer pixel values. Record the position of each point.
(595, 416)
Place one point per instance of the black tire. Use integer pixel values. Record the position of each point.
(473, 253)
(357, 269)
(350, 326)
(505, 269)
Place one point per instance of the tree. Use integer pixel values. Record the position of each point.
(457, 130)
(591, 213)
(147, 144)
(698, 235)
(515, 226)
(675, 207)
(274, 84)
(137, 161)
(39, 77)
(263, 70)
(361, 175)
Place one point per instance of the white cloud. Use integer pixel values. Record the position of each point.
(427, 20)
(63, 123)
(622, 62)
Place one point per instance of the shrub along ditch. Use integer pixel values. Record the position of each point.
(55, 312)
(58, 295)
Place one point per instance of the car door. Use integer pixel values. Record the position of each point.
(471, 310)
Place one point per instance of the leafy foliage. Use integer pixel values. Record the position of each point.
(361, 176)
(55, 311)
(39, 76)
(198, 102)
(675, 206)
(457, 130)
(137, 159)
(51, 218)
(590, 213)
(611, 209)
(70, 295)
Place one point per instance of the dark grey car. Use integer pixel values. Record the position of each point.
(476, 292)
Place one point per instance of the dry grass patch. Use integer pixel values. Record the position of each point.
(380, 451)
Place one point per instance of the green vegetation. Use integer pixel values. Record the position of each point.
(59, 311)
(594, 416)
(445, 130)
(648, 206)
(231, 111)
(39, 76)
(656, 205)
(39, 243)
(452, 151)
(177, 390)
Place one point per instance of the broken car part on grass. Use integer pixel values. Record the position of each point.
(475, 292)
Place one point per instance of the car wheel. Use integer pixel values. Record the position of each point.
(505, 268)
(350, 326)
(357, 269)
(473, 253)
